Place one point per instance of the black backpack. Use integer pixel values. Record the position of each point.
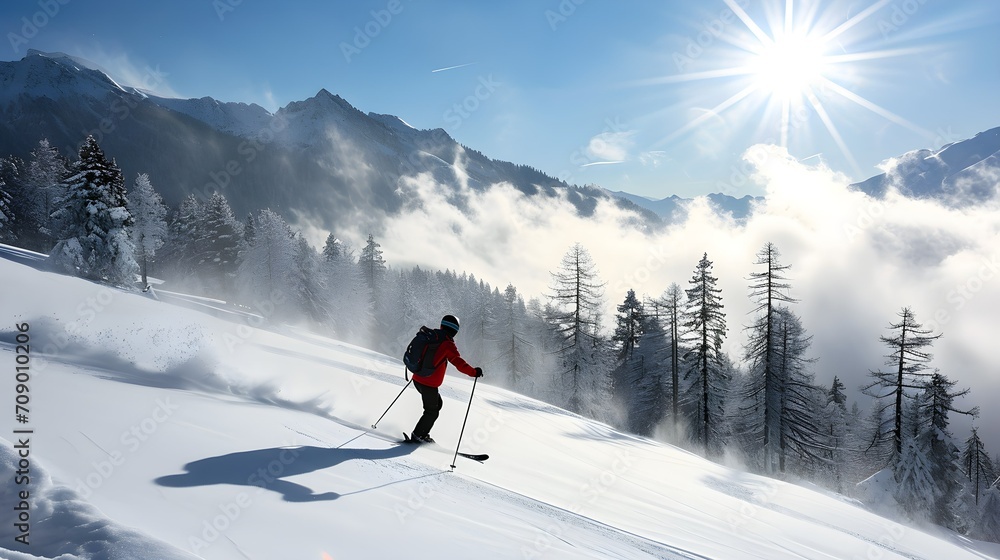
(419, 355)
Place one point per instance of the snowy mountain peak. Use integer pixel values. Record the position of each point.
(54, 76)
(64, 58)
(238, 119)
(324, 98)
(674, 208)
(960, 173)
(329, 155)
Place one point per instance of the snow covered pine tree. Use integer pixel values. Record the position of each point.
(93, 221)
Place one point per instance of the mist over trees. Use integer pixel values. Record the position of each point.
(574, 314)
(149, 230)
(767, 390)
(909, 370)
(656, 367)
(708, 369)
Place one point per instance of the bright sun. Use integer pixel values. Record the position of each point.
(784, 74)
(789, 66)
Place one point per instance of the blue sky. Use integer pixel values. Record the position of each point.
(652, 97)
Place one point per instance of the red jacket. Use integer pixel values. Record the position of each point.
(446, 352)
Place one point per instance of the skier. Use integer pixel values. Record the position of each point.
(428, 386)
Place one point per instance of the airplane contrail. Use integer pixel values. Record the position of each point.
(453, 67)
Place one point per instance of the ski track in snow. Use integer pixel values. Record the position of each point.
(561, 518)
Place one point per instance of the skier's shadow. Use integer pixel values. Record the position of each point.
(267, 469)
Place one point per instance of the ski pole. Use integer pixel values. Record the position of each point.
(375, 425)
(460, 434)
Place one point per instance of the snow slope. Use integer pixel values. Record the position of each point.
(54, 76)
(961, 173)
(164, 432)
(239, 119)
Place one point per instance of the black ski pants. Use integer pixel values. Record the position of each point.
(432, 407)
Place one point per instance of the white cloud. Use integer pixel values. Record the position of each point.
(856, 261)
(269, 101)
(653, 158)
(144, 76)
(610, 146)
(713, 134)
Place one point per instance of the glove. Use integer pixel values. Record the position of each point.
(479, 372)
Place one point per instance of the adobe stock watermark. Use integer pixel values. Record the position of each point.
(656, 258)
(581, 157)
(32, 25)
(709, 33)
(590, 492)
(425, 144)
(361, 377)
(132, 439)
(867, 217)
(215, 527)
(121, 108)
(459, 112)
(738, 521)
(360, 382)
(248, 150)
(223, 7)
(900, 14)
(963, 293)
(944, 137)
(872, 212)
(481, 435)
(418, 498)
(741, 173)
(966, 291)
(365, 34)
(266, 308)
(86, 312)
(453, 117)
(894, 533)
(562, 12)
(218, 524)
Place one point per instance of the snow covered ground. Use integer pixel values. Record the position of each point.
(163, 432)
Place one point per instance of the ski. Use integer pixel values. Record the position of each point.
(479, 457)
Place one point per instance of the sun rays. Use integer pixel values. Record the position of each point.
(796, 67)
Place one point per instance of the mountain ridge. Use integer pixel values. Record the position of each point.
(672, 208)
(960, 173)
(324, 161)
(319, 159)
